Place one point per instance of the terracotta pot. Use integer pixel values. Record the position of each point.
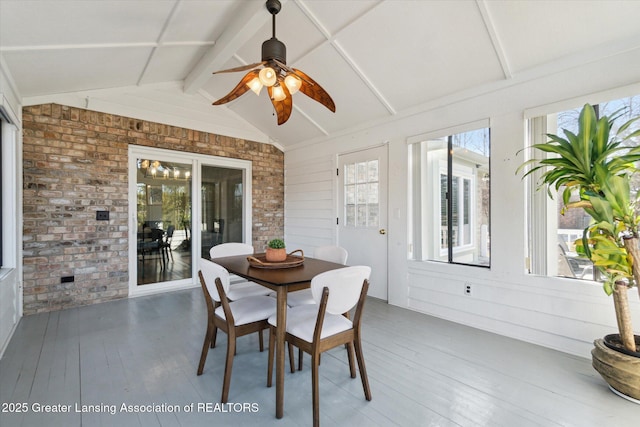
(621, 371)
(276, 255)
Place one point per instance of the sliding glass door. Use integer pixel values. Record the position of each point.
(182, 204)
(222, 207)
(163, 220)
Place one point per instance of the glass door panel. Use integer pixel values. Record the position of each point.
(222, 207)
(163, 221)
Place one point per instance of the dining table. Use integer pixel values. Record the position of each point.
(282, 281)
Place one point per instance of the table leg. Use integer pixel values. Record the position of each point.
(280, 335)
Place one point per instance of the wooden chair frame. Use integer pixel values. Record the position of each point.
(351, 338)
(239, 249)
(227, 325)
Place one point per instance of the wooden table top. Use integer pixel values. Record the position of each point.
(310, 268)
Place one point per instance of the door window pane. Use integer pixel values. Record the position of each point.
(222, 204)
(163, 221)
(361, 193)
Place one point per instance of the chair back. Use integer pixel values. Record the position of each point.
(345, 286)
(230, 249)
(210, 270)
(169, 236)
(335, 254)
(156, 234)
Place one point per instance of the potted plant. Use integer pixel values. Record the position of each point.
(597, 167)
(276, 251)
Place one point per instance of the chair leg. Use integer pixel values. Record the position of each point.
(352, 362)
(261, 341)
(300, 358)
(215, 328)
(315, 390)
(231, 351)
(214, 336)
(205, 347)
(363, 368)
(272, 343)
(292, 362)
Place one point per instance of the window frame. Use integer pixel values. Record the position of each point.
(543, 255)
(9, 211)
(420, 173)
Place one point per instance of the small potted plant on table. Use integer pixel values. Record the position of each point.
(276, 251)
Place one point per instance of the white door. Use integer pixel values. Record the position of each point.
(362, 213)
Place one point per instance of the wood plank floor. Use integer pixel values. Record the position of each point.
(423, 371)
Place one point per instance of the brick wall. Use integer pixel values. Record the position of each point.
(75, 162)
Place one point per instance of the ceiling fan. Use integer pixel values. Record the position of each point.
(281, 81)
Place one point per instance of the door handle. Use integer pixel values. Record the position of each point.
(382, 231)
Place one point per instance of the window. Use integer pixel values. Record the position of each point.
(8, 190)
(449, 187)
(552, 235)
(361, 194)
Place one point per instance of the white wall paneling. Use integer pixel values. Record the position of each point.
(558, 313)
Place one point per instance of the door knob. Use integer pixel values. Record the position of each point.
(382, 231)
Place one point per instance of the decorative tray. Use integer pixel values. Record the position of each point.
(260, 261)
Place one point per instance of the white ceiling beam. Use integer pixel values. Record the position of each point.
(249, 18)
(343, 53)
(163, 31)
(44, 47)
(495, 39)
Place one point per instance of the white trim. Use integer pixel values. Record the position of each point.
(542, 225)
(453, 130)
(577, 102)
(196, 161)
(160, 288)
(10, 106)
(9, 195)
(11, 301)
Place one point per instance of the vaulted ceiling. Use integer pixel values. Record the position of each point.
(379, 59)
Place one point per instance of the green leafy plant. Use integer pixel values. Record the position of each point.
(276, 244)
(598, 167)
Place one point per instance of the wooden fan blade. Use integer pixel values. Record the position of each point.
(241, 68)
(283, 108)
(239, 90)
(282, 65)
(314, 91)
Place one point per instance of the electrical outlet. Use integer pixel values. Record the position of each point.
(467, 288)
(67, 279)
(102, 215)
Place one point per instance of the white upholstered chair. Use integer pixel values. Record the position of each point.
(335, 254)
(237, 318)
(322, 326)
(240, 288)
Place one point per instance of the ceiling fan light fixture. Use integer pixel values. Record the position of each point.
(255, 85)
(273, 72)
(268, 76)
(278, 93)
(293, 83)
